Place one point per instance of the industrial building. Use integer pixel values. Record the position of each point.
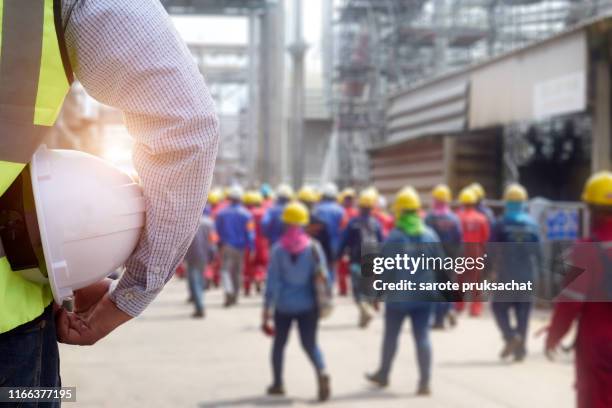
(457, 91)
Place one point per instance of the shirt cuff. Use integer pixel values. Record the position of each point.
(132, 300)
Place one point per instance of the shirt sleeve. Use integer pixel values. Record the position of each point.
(128, 55)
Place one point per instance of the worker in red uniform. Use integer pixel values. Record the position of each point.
(255, 265)
(215, 197)
(475, 234)
(347, 201)
(587, 299)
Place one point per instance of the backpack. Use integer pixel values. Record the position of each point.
(368, 230)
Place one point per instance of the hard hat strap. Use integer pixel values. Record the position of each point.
(17, 227)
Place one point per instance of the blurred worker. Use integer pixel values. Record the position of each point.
(587, 300)
(448, 227)
(290, 296)
(517, 259)
(361, 230)
(236, 231)
(255, 265)
(268, 196)
(413, 238)
(215, 197)
(172, 118)
(316, 227)
(347, 201)
(385, 219)
(482, 208)
(200, 253)
(272, 224)
(475, 234)
(331, 213)
(213, 268)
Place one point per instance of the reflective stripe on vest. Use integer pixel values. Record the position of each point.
(35, 77)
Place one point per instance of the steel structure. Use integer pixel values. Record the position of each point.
(384, 45)
(253, 67)
(214, 7)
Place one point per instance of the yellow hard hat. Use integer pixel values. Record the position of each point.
(598, 189)
(515, 192)
(442, 193)
(468, 196)
(407, 200)
(215, 196)
(374, 190)
(479, 191)
(367, 199)
(252, 198)
(346, 193)
(349, 192)
(308, 195)
(295, 213)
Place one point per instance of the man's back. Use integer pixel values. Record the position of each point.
(331, 213)
(474, 226)
(234, 225)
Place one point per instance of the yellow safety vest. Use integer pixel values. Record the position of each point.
(35, 76)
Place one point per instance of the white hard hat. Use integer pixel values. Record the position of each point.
(90, 215)
(330, 190)
(284, 191)
(235, 192)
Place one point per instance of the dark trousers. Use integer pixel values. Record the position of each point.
(441, 310)
(420, 316)
(307, 325)
(195, 281)
(521, 310)
(29, 356)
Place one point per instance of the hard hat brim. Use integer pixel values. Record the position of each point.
(39, 171)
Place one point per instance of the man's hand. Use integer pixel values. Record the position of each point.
(266, 326)
(85, 299)
(94, 323)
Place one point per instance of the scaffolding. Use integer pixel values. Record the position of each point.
(386, 45)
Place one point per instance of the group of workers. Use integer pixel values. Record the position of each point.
(289, 239)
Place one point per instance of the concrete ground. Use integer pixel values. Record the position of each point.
(167, 359)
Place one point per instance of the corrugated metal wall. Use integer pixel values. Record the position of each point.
(477, 157)
(419, 163)
(433, 109)
(458, 160)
